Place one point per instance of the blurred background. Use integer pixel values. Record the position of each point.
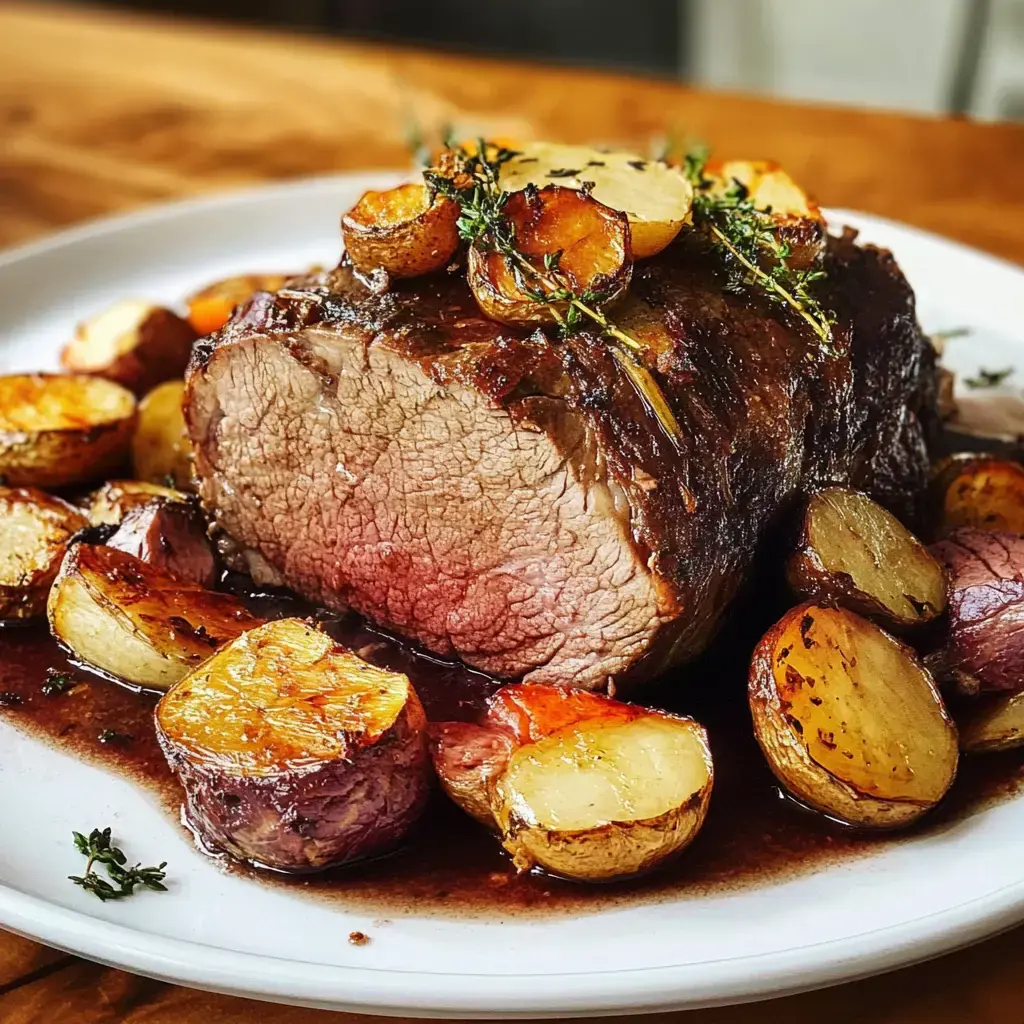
(927, 56)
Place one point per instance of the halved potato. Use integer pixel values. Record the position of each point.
(979, 491)
(108, 504)
(134, 343)
(161, 449)
(995, 724)
(170, 535)
(210, 308)
(797, 219)
(853, 552)
(34, 531)
(590, 241)
(849, 720)
(406, 231)
(581, 785)
(295, 754)
(58, 430)
(136, 623)
(654, 196)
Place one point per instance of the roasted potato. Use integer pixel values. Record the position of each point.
(978, 491)
(34, 531)
(654, 196)
(161, 449)
(853, 552)
(61, 430)
(211, 307)
(993, 724)
(136, 623)
(170, 535)
(406, 231)
(797, 219)
(849, 720)
(592, 239)
(133, 343)
(108, 504)
(985, 643)
(294, 754)
(583, 786)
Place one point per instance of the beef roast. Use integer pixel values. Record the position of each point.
(507, 497)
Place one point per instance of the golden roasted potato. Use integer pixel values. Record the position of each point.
(583, 786)
(595, 256)
(34, 531)
(849, 720)
(210, 308)
(294, 754)
(979, 491)
(797, 218)
(58, 430)
(108, 505)
(994, 724)
(654, 196)
(853, 552)
(133, 343)
(161, 449)
(136, 623)
(406, 231)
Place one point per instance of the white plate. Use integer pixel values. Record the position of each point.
(909, 901)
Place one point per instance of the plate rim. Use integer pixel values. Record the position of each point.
(431, 993)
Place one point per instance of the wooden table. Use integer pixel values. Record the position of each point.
(101, 112)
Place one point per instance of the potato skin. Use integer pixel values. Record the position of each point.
(468, 758)
(789, 758)
(812, 579)
(403, 231)
(25, 586)
(109, 504)
(986, 607)
(88, 443)
(994, 724)
(160, 350)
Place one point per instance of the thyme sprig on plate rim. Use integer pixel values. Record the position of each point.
(98, 848)
(749, 236)
(473, 184)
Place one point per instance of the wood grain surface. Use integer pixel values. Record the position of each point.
(100, 112)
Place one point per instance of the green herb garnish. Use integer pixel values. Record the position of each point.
(988, 378)
(98, 849)
(57, 682)
(473, 184)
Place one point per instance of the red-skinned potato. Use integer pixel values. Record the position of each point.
(58, 430)
(134, 343)
(34, 530)
(294, 754)
(405, 231)
(594, 242)
(581, 785)
(853, 552)
(210, 308)
(977, 491)
(985, 641)
(849, 720)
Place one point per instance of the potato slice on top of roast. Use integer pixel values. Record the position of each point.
(135, 622)
(581, 785)
(58, 430)
(853, 552)
(34, 531)
(295, 754)
(849, 720)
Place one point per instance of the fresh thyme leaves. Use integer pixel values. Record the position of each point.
(988, 378)
(749, 236)
(123, 881)
(57, 682)
(471, 180)
(951, 333)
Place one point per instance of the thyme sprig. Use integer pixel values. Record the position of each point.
(750, 237)
(471, 180)
(99, 849)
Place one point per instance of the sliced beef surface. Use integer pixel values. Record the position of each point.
(508, 498)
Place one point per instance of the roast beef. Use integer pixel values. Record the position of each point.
(507, 498)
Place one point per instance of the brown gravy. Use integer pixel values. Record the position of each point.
(753, 834)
